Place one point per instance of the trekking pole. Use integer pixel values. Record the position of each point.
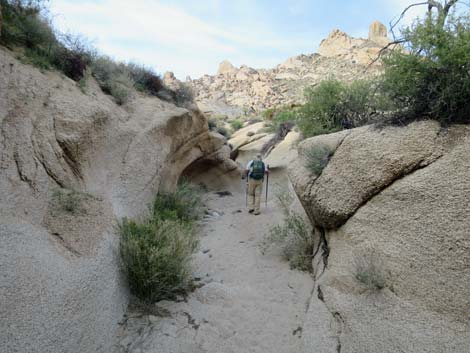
(267, 186)
(246, 192)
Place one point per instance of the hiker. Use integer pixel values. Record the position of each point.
(255, 171)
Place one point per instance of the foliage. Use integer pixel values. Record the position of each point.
(183, 204)
(212, 124)
(183, 95)
(236, 124)
(144, 79)
(156, 250)
(156, 257)
(70, 201)
(113, 78)
(431, 79)
(223, 131)
(317, 157)
(24, 27)
(333, 105)
(369, 269)
(294, 236)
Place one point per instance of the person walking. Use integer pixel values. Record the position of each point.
(255, 171)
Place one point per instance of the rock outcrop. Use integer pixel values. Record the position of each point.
(392, 265)
(61, 289)
(251, 90)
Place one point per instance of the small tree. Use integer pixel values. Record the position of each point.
(431, 77)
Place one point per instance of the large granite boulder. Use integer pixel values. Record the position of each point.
(391, 211)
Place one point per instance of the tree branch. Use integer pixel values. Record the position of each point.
(392, 26)
(381, 51)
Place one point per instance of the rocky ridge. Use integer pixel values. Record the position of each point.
(238, 91)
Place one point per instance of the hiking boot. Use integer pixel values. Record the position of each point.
(251, 211)
(257, 213)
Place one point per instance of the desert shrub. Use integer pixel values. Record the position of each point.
(69, 201)
(113, 78)
(369, 269)
(144, 79)
(184, 204)
(156, 257)
(431, 79)
(223, 131)
(333, 105)
(268, 114)
(212, 124)
(25, 27)
(279, 118)
(183, 95)
(236, 124)
(293, 235)
(156, 250)
(317, 158)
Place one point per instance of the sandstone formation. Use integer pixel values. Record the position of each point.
(392, 207)
(60, 287)
(251, 90)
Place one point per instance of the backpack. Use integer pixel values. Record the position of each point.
(257, 172)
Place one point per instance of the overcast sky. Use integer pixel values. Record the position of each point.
(193, 37)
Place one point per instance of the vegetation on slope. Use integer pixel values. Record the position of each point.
(27, 30)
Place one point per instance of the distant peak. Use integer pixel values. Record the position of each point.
(225, 67)
(377, 30)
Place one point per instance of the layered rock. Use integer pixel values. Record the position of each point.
(253, 90)
(61, 288)
(391, 211)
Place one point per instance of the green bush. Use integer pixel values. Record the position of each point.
(333, 105)
(184, 204)
(70, 201)
(317, 158)
(156, 257)
(212, 124)
(156, 250)
(144, 79)
(223, 131)
(294, 236)
(431, 79)
(236, 124)
(369, 269)
(24, 27)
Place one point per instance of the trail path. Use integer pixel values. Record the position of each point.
(247, 302)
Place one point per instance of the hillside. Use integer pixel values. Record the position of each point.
(236, 91)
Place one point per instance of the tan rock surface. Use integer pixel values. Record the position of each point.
(411, 232)
(62, 290)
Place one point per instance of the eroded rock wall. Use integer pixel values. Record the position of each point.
(392, 210)
(60, 288)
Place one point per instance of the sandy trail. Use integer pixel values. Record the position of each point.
(248, 302)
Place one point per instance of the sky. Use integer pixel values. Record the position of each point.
(191, 38)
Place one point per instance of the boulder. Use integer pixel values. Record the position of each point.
(285, 152)
(391, 268)
(380, 157)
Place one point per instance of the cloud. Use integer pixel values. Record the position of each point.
(168, 37)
